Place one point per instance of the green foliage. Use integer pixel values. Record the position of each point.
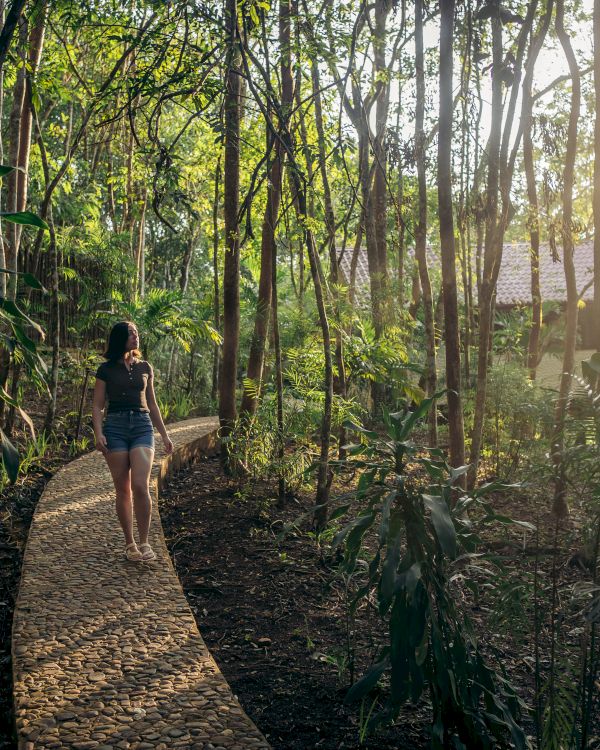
(518, 413)
(253, 446)
(382, 360)
(407, 503)
(304, 376)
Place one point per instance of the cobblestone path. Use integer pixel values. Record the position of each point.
(106, 652)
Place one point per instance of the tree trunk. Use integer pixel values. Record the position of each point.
(268, 252)
(35, 46)
(379, 189)
(141, 249)
(55, 308)
(560, 505)
(10, 24)
(281, 489)
(596, 200)
(339, 381)
(451, 322)
(231, 271)
(421, 224)
(2, 243)
(186, 262)
(486, 290)
(215, 263)
(12, 180)
(533, 220)
(268, 246)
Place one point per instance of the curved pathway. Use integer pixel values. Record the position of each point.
(106, 652)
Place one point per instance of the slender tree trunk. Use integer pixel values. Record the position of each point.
(12, 180)
(463, 217)
(141, 248)
(55, 309)
(2, 243)
(35, 46)
(533, 220)
(231, 271)
(560, 505)
(451, 322)
(281, 489)
(486, 290)
(8, 28)
(268, 252)
(339, 381)
(379, 189)
(215, 261)
(186, 262)
(596, 200)
(421, 225)
(268, 244)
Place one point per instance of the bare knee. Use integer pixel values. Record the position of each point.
(123, 492)
(140, 489)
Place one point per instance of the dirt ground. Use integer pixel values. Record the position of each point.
(269, 614)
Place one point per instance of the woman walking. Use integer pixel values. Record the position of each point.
(126, 437)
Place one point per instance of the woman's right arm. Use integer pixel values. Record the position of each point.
(97, 408)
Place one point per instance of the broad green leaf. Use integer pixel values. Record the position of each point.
(28, 278)
(442, 523)
(339, 512)
(4, 170)
(23, 339)
(390, 564)
(7, 397)
(32, 282)
(24, 416)
(10, 307)
(10, 458)
(413, 417)
(399, 648)
(28, 421)
(368, 681)
(408, 579)
(26, 218)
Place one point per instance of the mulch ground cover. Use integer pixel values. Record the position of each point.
(268, 613)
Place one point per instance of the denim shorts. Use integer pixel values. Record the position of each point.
(125, 430)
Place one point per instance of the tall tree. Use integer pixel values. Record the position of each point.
(444, 161)
(560, 504)
(231, 186)
(421, 224)
(596, 203)
(268, 254)
(500, 158)
(533, 219)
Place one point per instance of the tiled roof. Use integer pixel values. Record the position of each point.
(514, 280)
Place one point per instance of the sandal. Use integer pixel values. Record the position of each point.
(147, 552)
(132, 553)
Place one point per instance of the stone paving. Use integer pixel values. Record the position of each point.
(106, 652)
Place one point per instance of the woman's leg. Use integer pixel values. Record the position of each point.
(140, 459)
(118, 463)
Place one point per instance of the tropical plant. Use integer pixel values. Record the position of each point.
(423, 530)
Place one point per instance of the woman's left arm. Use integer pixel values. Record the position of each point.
(155, 414)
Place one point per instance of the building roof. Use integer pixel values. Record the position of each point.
(514, 280)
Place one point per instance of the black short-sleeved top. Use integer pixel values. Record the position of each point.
(126, 389)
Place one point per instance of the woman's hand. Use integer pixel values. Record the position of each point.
(168, 444)
(101, 444)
